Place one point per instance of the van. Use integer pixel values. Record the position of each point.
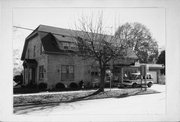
(135, 80)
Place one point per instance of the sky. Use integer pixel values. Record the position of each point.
(152, 18)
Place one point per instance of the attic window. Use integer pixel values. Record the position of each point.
(66, 45)
(28, 53)
(41, 49)
(73, 46)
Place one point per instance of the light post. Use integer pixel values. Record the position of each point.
(143, 71)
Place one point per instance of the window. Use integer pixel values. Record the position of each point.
(28, 53)
(66, 45)
(67, 72)
(73, 46)
(34, 54)
(41, 49)
(94, 73)
(41, 72)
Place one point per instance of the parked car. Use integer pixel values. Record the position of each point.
(135, 80)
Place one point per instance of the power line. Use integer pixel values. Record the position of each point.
(23, 28)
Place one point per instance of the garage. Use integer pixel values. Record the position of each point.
(154, 76)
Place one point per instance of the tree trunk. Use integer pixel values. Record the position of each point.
(102, 82)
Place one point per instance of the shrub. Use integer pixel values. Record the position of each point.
(81, 84)
(42, 86)
(18, 79)
(121, 85)
(60, 86)
(88, 85)
(107, 84)
(73, 86)
(25, 90)
(31, 86)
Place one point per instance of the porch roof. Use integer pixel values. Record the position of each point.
(151, 66)
(30, 63)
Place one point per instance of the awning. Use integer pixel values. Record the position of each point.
(30, 63)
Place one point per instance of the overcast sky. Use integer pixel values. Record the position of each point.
(152, 18)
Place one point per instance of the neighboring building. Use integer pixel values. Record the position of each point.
(49, 56)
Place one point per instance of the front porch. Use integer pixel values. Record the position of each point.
(30, 70)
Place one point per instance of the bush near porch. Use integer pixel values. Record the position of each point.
(41, 87)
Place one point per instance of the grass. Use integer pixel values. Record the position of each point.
(75, 96)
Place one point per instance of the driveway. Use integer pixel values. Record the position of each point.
(139, 104)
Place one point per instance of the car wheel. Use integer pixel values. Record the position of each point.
(134, 85)
(149, 84)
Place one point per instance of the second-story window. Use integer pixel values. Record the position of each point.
(34, 54)
(66, 45)
(41, 49)
(73, 46)
(28, 53)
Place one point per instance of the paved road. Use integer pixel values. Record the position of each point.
(139, 104)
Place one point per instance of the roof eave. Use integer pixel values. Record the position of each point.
(26, 44)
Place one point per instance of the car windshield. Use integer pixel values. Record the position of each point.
(134, 77)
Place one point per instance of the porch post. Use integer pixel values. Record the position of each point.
(24, 76)
(28, 73)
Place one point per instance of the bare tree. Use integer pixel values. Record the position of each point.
(17, 63)
(139, 38)
(93, 43)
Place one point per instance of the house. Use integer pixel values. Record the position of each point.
(49, 57)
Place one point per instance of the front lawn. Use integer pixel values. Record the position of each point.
(75, 96)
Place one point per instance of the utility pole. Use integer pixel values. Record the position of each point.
(143, 70)
(24, 28)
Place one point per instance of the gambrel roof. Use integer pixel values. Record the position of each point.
(51, 36)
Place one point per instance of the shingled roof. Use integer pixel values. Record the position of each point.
(50, 46)
(51, 35)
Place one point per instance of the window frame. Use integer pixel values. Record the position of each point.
(66, 45)
(41, 49)
(28, 54)
(66, 75)
(41, 72)
(34, 51)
